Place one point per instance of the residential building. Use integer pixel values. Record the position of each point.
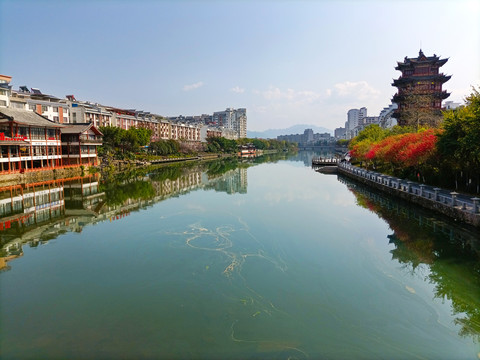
(5, 90)
(86, 112)
(420, 92)
(51, 107)
(340, 133)
(209, 131)
(354, 117)
(363, 123)
(233, 119)
(229, 134)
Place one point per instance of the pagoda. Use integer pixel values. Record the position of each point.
(419, 97)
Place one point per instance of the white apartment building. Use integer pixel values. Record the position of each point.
(51, 107)
(363, 123)
(354, 116)
(232, 119)
(5, 90)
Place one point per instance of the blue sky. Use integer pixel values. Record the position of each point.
(287, 62)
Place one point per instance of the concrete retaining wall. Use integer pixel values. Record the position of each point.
(459, 208)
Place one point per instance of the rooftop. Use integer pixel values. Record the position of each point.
(26, 118)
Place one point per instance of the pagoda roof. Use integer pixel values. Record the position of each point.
(28, 118)
(408, 62)
(411, 79)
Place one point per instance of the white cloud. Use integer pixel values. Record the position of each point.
(193, 86)
(238, 90)
(359, 90)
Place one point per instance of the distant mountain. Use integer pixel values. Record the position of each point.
(296, 129)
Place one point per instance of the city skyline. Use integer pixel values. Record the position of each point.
(285, 62)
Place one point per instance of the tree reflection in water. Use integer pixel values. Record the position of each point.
(450, 250)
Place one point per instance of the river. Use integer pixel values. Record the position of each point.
(255, 259)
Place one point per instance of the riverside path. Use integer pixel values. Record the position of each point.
(459, 206)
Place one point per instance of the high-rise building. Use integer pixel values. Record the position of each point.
(340, 133)
(233, 119)
(354, 117)
(419, 97)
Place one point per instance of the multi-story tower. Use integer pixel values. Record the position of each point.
(232, 119)
(419, 97)
(241, 122)
(354, 116)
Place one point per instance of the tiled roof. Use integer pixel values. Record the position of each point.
(26, 118)
(76, 128)
(79, 128)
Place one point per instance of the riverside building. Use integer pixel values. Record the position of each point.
(28, 142)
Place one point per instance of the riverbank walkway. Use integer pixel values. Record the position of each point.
(429, 196)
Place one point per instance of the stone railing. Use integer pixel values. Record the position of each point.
(431, 197)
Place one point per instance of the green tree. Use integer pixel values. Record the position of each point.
(459, 144)
(112, 137)
(372, 133)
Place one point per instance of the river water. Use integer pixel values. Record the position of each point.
(253, 259)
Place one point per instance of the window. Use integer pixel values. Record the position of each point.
(3, 103)
(44, 108)
(55, 118)
(55, 109)
(3, 92)
(31, 107)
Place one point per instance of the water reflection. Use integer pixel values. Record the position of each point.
(307, 156)
(38, 212)
(449, 250)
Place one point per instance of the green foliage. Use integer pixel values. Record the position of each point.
(371, 133)
(165, 147)
(122, 142)
(220, 144)
(461, 137)
(459, 143)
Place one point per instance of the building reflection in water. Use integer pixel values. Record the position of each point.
(35, 213)
(451, 252)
